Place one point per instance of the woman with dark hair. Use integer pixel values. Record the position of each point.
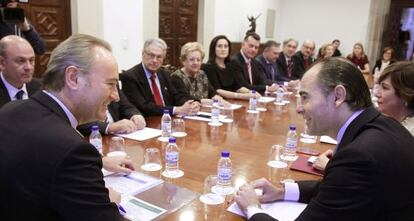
(386, 59)
(220, 71)
(396, 93)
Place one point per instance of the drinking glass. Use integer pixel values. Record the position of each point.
(178, 128)
(152, 159)
(117, 147)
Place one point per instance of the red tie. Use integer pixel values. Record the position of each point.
(156, 91)
(289, 67)
(249, 69)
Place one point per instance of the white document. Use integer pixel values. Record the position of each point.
(233, 106)
(138, 210)
(282, 210)
(266, 99)
(131, 184)
(328, 139)
(203, 116)
(143, 134)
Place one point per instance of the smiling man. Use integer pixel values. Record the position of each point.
(47, 170)
(17, 60)
(367, 177)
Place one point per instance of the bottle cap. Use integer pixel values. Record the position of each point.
(292, 127)
(225, 153)
(166, 111)
(95, 127)
(253, 91)
(171, 140)
(215, 100)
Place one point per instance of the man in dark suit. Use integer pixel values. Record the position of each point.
(17, 66)
(286, 61)
(47, 169)
(303, 59)
(267, 61)
(121, 117)
(150, 89)
(368, 176)
(247, 70)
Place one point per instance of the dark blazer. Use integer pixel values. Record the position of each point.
(369, 177)
(299, 64)
(47, 170)
(221, 78)
(378, 64)
(119, 110)
(138, 91)
(283, 72)
(266, 70)
(31, 87)
(242, 74)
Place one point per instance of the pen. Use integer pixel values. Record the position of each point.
(121, 209)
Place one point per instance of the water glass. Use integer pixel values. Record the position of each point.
(117, 147)
(208, 196)
(178, 128)
(152, 159)
(227, 112)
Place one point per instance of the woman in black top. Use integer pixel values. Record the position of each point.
(220, 72)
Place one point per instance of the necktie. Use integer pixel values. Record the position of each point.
(249, 70)
(272, 71)
(19, 95)
(289, 67)
(156, 91)
(306, 64)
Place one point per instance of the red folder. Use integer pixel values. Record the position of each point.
(301, 164)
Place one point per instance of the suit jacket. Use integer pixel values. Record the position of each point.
(368, 178)
(138, 91)
(266, 70)
(299, 64)
(119, 110)
(283, 72)
(242, 74)
(31, 87)
(47, 170)
(221, 78)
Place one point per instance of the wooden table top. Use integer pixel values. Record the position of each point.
(248, 139)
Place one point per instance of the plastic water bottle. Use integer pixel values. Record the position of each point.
(172, 156)
(253, 101)
(166, 124)
(215, 112)
(224, 170)
(96, 138)
(291, 144)
(279, 95)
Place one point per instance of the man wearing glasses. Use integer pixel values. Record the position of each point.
(150, 89)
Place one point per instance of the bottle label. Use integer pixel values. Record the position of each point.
(166, 127)
(252, 103)
(215, 112)
(291, 143)
(97, 143)
(224, 174)
(171, 157)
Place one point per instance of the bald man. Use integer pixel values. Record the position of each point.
(304, 58)
(17, 60)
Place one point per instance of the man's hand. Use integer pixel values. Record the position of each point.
(114, 196)
(139, 121)
(118, 164)
(121, 127)
(322, 160)
(270, 192)
(246, 196)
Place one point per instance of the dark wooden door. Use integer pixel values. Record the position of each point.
(52, 20)
(177, 26)
(392, 33)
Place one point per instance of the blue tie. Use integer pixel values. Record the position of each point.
(19, 95)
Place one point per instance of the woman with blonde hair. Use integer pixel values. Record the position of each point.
(360, 59)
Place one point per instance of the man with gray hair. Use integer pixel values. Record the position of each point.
(47, 169)
(303, 58)
(149, 87)
(267, 61)
(286, 61)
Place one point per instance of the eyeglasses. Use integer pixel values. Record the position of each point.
(152, 56)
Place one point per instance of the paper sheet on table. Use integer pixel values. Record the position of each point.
(328, 139)
(203, 116)
(131, 184)
(233, 106)
(139, 210)
(144, 134)
(266, 99)
(283, 211)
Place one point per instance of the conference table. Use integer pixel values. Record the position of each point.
(248, 138)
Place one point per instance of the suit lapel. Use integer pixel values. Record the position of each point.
(143, 82)
(4, 94)
(164, 88)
